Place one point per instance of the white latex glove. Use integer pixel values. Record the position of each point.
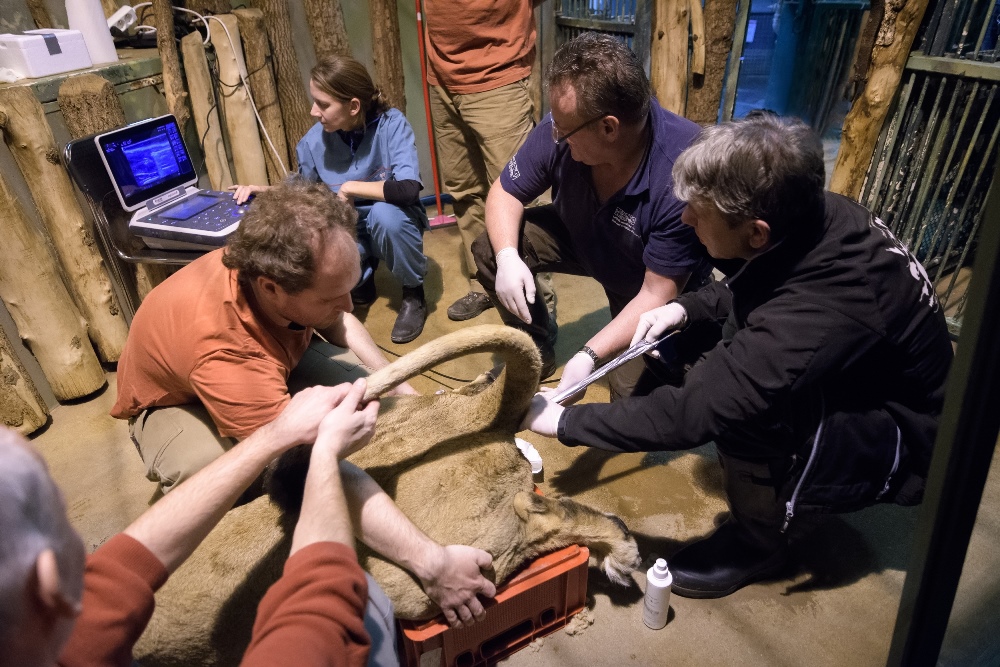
(543, 415)
(515, 284)
(578, 367)
(655, 323)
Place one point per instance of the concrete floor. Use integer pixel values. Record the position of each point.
(836, 606)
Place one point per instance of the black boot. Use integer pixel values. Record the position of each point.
(412, 315)
(748, 547)
(364, 294)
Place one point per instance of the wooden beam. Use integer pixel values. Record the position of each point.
(697, 38)
(244, 141)
(30, 140)
(705, 90)
(864, 121)
(291, 93)
(40, 14)
(258, 56)
(326, 25)
(669, 53)
(21, 406)
(47, 321)
(204, 108)
(173, 83)
(387, 51)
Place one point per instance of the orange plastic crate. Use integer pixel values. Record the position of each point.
(535, 602)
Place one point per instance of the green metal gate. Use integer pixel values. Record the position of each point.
(935, 158)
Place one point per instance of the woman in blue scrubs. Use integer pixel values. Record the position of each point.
(365, 151)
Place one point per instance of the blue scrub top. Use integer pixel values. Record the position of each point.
(387, 151)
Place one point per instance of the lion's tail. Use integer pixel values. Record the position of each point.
(521, 358)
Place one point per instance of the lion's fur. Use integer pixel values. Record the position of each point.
(449, 462)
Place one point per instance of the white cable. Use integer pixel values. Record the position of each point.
(208, 32)
(253, 105)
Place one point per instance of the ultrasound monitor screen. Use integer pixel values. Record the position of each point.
(147, 159)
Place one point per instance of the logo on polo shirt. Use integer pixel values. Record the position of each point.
(512, 169)
(625, 220)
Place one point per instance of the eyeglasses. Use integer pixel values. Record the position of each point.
(559, 139)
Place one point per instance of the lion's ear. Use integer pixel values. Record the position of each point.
(526, 504)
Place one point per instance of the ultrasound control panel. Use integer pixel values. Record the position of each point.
(203, 219)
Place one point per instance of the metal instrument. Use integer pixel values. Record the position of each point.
(633, 352)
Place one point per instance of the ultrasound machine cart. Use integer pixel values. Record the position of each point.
(118, 238)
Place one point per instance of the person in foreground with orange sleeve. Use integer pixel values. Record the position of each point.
(58, 606)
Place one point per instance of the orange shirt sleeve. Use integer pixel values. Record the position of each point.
(314, 614)
(241, 393)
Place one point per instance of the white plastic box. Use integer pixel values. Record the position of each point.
(44, 52)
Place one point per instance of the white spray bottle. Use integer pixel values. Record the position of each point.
(656, 604)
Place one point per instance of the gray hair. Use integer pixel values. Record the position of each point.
(605, 75)
(760, 168)
(32, 519)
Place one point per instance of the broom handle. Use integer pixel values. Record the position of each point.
(427, 106)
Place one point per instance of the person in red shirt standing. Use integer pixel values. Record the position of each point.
(479, 58)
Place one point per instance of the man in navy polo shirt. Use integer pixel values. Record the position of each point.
(606, 150)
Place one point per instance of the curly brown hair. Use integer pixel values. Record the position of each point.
(275, 239)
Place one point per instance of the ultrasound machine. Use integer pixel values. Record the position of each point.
(154, 177)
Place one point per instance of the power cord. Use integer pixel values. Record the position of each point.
(241, 68)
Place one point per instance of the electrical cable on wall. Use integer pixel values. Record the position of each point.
(243, 75)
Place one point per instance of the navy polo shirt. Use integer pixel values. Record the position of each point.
(639, 227)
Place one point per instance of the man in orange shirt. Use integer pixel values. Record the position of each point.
(479, 57)
(214, 350)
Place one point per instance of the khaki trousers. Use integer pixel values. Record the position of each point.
(476, 135)
(176, 442)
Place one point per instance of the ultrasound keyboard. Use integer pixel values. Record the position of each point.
(202, 220)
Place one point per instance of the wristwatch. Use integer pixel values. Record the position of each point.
(590, 353)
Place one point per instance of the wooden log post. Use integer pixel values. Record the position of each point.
(705, 91)
(205, 111)
(110, 7)
(210, 6)
(244, 141)
(669, 53)
(30, 140)
(387, 51)
(864, 121)
(265, 95)
(89, 105)
(21, 406)
(173, 83)
(291, 93)
(47, 321)
(40, 14)
(326, 25)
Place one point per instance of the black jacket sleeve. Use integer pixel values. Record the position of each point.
(711, 302)
(402, 193)
(787, 345)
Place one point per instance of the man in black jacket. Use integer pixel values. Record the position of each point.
(826, 390)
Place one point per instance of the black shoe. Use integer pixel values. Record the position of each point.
(723, 563)
(364, 294)
(548, 360)
(412, 315)
(471, 305)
